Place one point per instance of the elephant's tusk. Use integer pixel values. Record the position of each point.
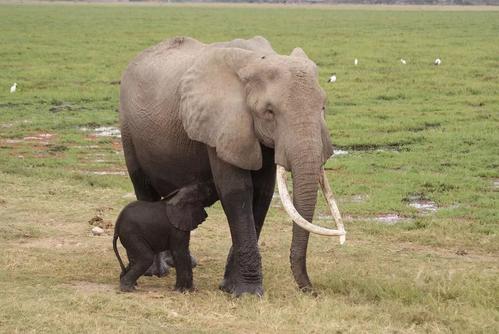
(295, 216)
(328, 195)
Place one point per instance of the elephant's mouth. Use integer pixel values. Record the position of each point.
(302, 222)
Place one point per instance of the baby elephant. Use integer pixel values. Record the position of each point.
(147, 228)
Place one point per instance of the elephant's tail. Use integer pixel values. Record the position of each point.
(115, 247)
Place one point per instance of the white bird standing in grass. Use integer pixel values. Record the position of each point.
(332, 78)
(13, 88)
(437, 61)
(356, 61)
(403, 61)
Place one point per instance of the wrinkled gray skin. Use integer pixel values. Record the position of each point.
(229, 112)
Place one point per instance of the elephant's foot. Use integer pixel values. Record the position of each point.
(236, 282)
(308, 289)
(185, 289)
(227, 285)
(238, 289)
(160, 267)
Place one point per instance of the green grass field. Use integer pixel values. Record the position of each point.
(413, 132)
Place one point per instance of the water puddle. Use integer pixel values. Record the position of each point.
(105, 131)
(340, 152)
(421, 204)
(391, 150)
(109, 173)
(390, 219)
(387, 219)
(360, 198)
(427, 206)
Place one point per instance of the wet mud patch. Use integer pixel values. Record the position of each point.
(39, 139)
(58, 106)
(99, 220)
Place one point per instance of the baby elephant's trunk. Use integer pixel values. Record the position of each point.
(115, 247)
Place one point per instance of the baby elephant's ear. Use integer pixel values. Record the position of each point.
(185, 216)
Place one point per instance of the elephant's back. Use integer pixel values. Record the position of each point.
(156, 68)
(149, 114)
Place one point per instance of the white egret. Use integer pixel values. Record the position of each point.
(332, 78)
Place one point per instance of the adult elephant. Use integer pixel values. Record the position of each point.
(230, 112)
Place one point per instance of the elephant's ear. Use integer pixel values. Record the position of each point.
(298, 52)
(213, 107)
(184, 209)
(185, 217)
(327, 146)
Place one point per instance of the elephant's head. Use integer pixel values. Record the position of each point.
(235, 100)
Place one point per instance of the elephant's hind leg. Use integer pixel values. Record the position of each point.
(140, 257)
(144, 191)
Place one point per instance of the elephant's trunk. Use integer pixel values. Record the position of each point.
(307, 174)
(305, 185)
(305, 167)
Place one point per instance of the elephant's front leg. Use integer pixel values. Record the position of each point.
(263, 190)
(235, 190)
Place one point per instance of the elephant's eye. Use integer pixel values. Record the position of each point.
(269, 114)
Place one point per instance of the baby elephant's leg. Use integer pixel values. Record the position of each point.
(184, 271)
(141, 257)
(183, 264)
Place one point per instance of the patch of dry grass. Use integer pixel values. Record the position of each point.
(56, 277)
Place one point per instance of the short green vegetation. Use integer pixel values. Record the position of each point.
(416, 135)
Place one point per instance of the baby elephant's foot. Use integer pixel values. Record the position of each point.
(185, 289)
(127, 287)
